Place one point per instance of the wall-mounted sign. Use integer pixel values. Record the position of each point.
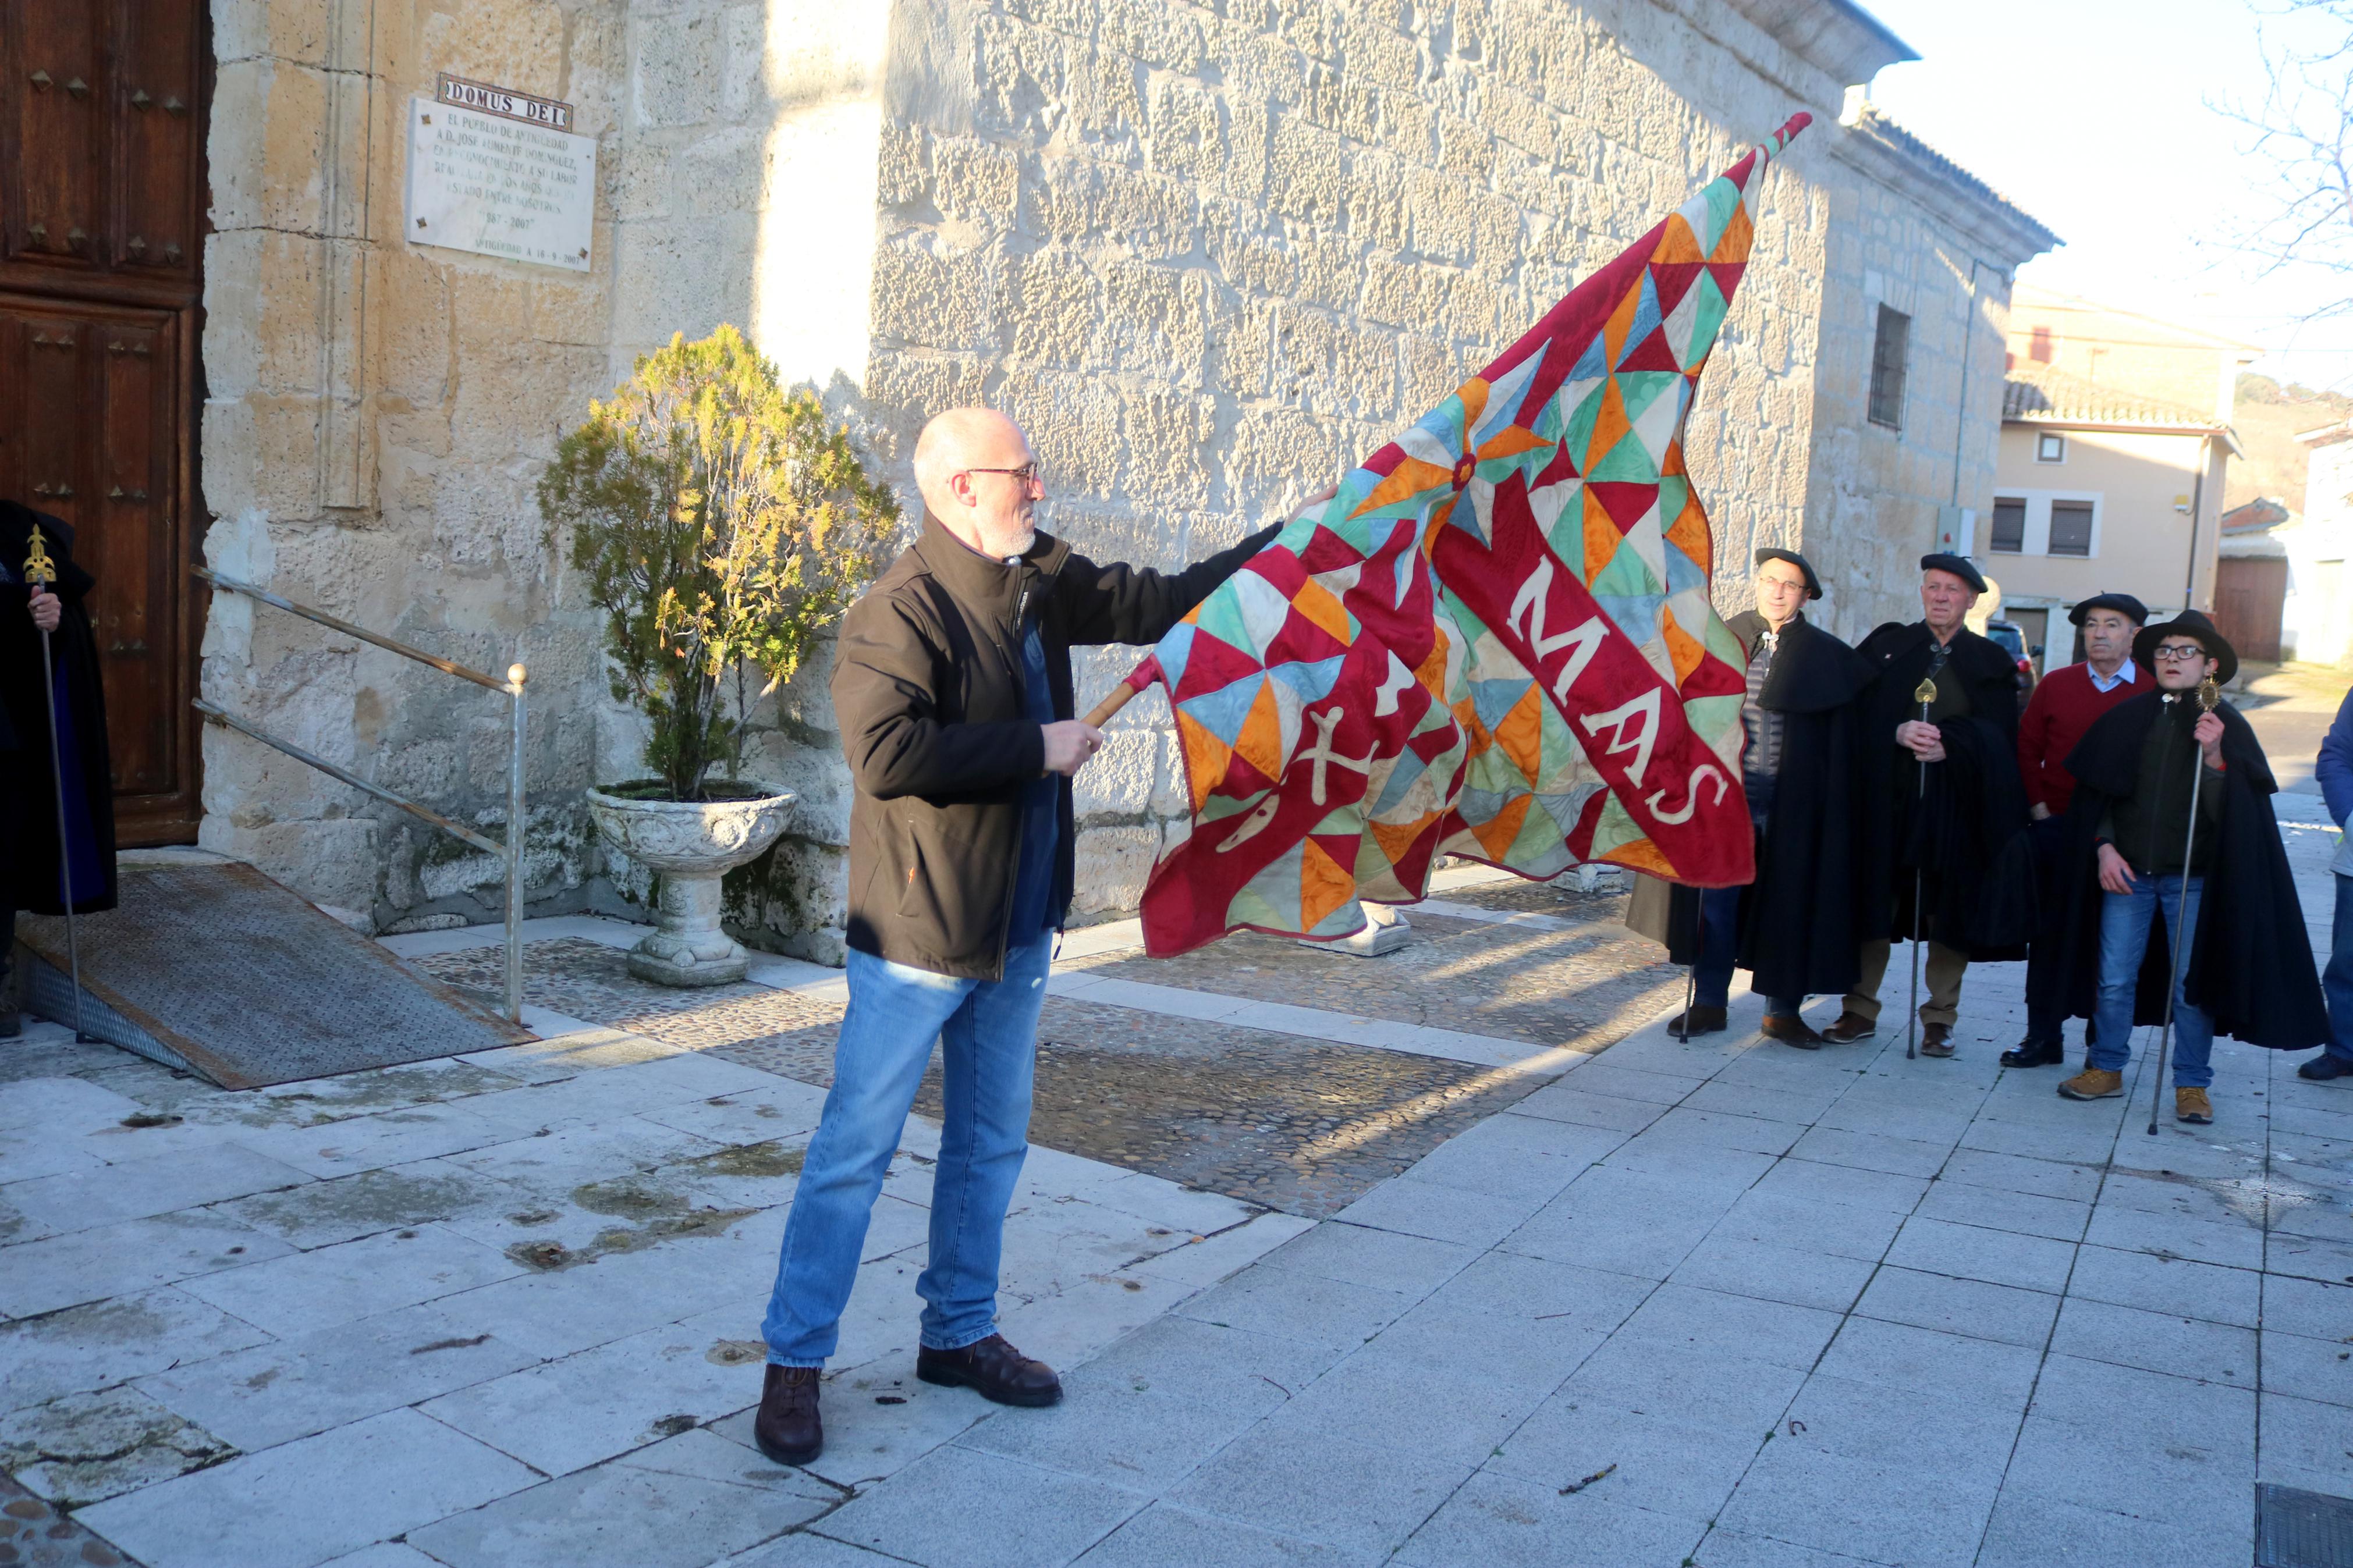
(498, 185)
(461, 93)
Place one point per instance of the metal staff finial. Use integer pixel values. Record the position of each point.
(40, 572)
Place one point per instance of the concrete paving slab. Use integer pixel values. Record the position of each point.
(1960, 1306)
(2309, 1369)
(295, 1294)
(2157, 1341)
(333, 1493)
(1669, 1467)
(1496, 1519)
(107, 1343)
(1974, 1252)
(1338, 1491)
(2157, 1283)
(681, 1503)
(1903, 1355)
(294, 1387)
(1164, 1536)
(127, 1257)
(957, 1505)
(1773, 1273)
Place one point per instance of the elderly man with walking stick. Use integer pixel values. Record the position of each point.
(952, 688)
(2183, 912)
(1940, 798)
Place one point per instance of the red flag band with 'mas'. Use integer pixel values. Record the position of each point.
(1494, 641)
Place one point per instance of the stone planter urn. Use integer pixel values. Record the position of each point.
(692, 843)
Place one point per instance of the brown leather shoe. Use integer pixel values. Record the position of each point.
(992, 1369)
(787, 1428)
(1791, 1030)
(1850, 1027)
(1936, 1039)
(1696, 1021)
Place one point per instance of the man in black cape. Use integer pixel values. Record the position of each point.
(1793, 927)
(30, 875)
(2249, 973)
(1944, 835)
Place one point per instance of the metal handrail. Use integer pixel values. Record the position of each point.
(511, 850)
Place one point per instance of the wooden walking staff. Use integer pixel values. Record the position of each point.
(40, 572)
(1923, 694)
(2209, 694)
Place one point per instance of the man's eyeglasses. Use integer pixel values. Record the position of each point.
(1027, 474)
(2180, 655)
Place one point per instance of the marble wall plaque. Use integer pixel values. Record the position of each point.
(500, 186)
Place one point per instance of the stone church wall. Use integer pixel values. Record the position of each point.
(1207, 254)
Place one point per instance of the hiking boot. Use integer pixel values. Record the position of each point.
(1792, 1030)
(2320, 1068)
(2191, 1105)
(788, 1429)
(2093, 1083)
(2034, 1053)
(1850, 1027)
(992, 1369)
(1697, 1021)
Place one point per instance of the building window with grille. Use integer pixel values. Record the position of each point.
(2009, 526)
(2050, 448)
(1889, 350)
(2071, 528)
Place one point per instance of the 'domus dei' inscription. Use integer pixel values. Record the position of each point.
(499, 186)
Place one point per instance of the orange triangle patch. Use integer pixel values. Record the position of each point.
(1678, 243)
(1260, 744)
(1396, 838)
(1205, 757)
(1683, 648)
(1320, 606)
(1520, 736)
(1432, 672)
(1610, 423)
(1639, 854)
(1323, 885)
(1410, 478)
(1738, 237)
(1497, 832)
(1689, 533)
(1602, 536)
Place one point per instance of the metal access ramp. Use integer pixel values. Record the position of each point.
(219, 969)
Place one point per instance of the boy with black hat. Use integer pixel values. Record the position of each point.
(2066, 704)
(1792, 928)
(1934, 831)
(2211, 885)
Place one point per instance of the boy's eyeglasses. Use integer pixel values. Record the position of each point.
(2180, 655)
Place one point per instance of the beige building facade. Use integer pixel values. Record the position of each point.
(1208, 254)
(2116, 440)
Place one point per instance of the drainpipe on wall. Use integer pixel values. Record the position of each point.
(2197, 501)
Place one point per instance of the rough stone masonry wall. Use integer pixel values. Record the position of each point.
(1210, 255)
(375, 418)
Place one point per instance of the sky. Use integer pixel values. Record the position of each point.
(2097, 118)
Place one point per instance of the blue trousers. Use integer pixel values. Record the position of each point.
(2337, 980)
(988, 1031)
(1719, 920)
(2125, 922)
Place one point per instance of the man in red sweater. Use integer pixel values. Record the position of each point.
(2063, 706)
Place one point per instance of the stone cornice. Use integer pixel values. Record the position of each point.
(1835, 37)
(1881, 149)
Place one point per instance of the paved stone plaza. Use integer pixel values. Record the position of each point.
(1345, 1261)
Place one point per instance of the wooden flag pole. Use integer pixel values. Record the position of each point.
(1108, 708)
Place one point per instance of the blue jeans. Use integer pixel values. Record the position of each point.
(1719, 920)
(2124, 921)
(988, 1031)
(2337, 980)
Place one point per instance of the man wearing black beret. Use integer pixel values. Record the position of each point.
(1793, 927)
(1939, 828)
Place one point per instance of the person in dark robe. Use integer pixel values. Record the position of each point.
(2139, 877)
(1793, 927)
(31, 869)
(2064, 706)
(1941, 828)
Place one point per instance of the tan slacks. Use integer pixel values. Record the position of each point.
(1943, 967)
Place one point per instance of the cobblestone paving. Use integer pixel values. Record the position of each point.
(1304, 1126)
(34, 1535)
(1587, 985)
